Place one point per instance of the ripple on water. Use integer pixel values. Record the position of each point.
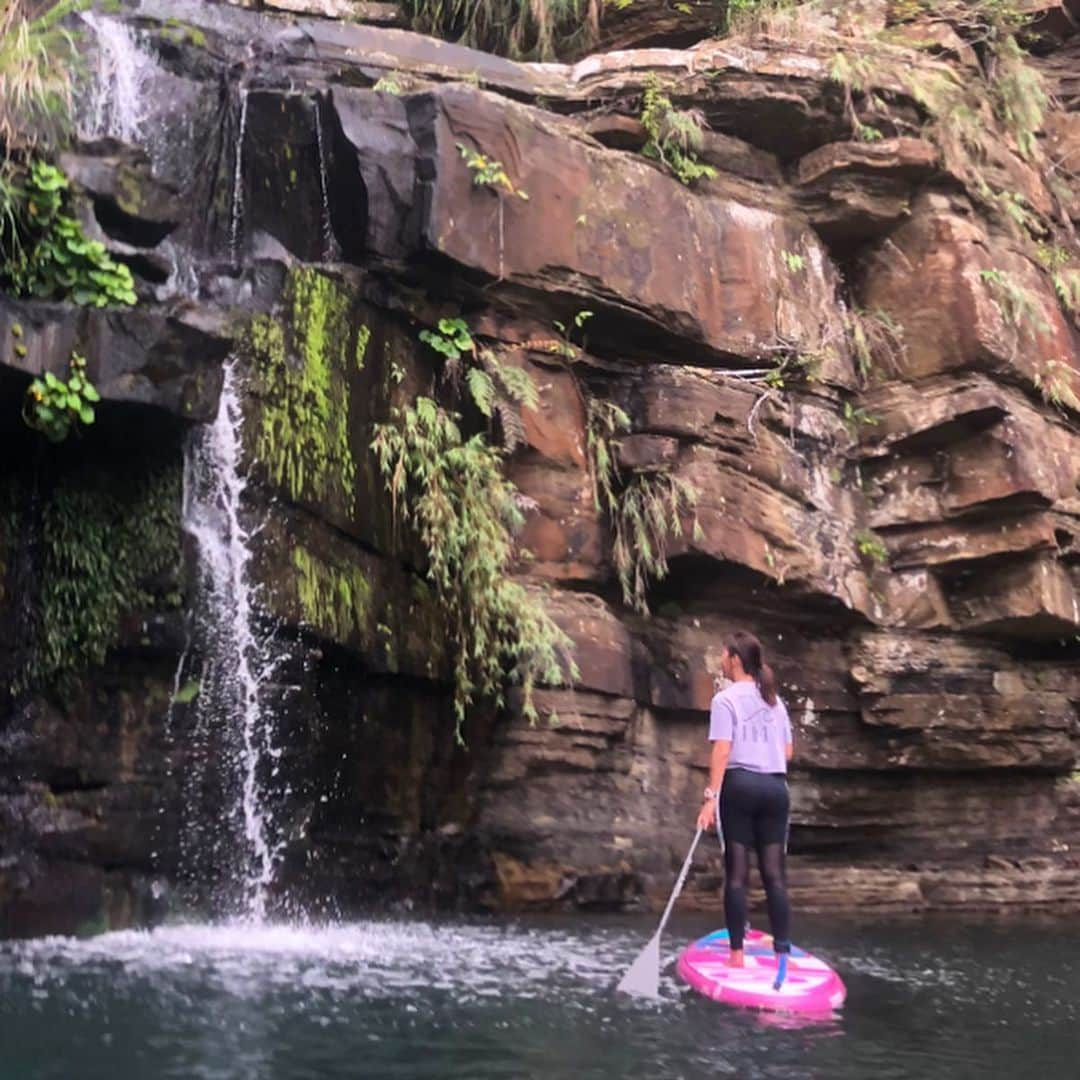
(486, 1000)
(379, 959)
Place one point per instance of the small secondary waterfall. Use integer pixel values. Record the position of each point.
(331, 252)
(237, 220)
(116, 104)
(239, 653)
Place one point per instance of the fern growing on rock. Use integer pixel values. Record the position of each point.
(498, 390)
(450, 491)
(645, 509)
(674, 135)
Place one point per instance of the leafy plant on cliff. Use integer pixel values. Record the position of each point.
(487, 172)
(674, 135)
(451, 338)
(792, 365)
(389, 84)
(1067, 287)
(876, 340)
(1019, 94)
(106, 546)
(450, 491)
(645, 509)
(53, 259)
(53, 405)
(793, 262)
(38, 73)
(1055, 261)
(490, 174)
(1055, 383)
(565, 346)
(1021, 309)
(853, 73)
(855, 418)
(1018, 305)
(498, 390)
(968, 116)
(870, 546)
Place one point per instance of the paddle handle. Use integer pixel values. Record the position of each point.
(680, 881)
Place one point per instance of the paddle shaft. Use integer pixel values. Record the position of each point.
(678, 884)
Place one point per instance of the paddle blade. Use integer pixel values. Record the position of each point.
(643, 977)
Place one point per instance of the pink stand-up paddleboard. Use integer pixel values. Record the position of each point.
(810, 985)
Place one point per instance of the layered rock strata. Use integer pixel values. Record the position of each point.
(899, 520)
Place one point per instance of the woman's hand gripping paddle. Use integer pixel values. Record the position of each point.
(643, 976)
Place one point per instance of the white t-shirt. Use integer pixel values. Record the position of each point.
(759, 733)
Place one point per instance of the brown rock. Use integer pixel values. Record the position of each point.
(905, 159)
(935, 545)
(632, 244)
(646, 452)
(134, 357)
(854, 191)
(1034, 598)
(962, 304)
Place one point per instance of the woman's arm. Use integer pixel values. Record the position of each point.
(721, 751)
(789, 751)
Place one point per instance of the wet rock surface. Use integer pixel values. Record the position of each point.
(902, 531)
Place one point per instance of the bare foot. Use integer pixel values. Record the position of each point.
(736, 959)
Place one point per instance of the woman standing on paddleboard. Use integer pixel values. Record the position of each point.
(750, 733)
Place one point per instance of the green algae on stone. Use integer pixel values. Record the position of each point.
(302, 361)
(107, 549)
(333, 599)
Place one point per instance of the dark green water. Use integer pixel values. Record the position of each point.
(530, 998)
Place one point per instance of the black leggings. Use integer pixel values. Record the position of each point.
(754, 815)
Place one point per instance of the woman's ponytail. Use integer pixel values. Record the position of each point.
(766, 684)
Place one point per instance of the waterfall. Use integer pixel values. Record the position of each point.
(170, 716)
(116, 104)
(240, 660)
(331, 251)
(238, 179)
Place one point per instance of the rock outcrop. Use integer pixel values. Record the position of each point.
(846, 340)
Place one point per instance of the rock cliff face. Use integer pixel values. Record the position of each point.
(846, 339)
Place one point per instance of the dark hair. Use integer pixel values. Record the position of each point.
(751, 655)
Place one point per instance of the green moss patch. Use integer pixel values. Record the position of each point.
(335, 600)
(110, 546)
(302, 361)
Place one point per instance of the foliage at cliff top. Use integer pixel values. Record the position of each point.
(451, 491)
(300, 360)
(38, 55)
(522, 29)
(46, 254)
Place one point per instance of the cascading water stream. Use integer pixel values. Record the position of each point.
(238, 179)
(331, 251)
(240, 658)
(116, 105)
